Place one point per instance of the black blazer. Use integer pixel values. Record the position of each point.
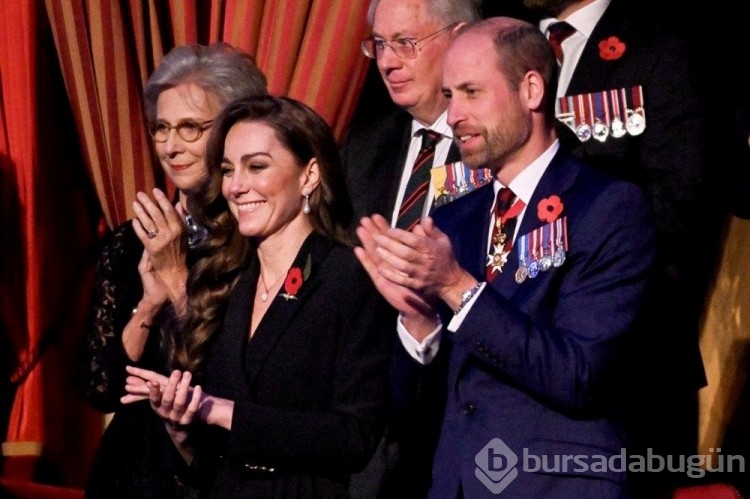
(310, 387)
(668, 161)
(374, 155)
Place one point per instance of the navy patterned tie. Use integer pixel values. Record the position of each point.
(412, 204)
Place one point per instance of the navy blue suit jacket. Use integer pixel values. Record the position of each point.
(537, 364)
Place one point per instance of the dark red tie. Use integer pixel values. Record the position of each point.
(504, 224)
(412, 205)
(558, 32)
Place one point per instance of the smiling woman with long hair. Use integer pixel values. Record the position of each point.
(297, 342)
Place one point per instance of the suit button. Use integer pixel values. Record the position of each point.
(469, 409)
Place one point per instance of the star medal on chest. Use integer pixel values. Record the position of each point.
(498, 255)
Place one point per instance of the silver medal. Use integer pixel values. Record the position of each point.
(545, 263)
(583, 132)
(533, 269)
(558, 258)
(617, 128)
(636, 122)
(600, 131)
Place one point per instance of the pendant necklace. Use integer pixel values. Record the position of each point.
(264, 294)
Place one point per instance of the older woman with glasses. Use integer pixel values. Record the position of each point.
(143, 267)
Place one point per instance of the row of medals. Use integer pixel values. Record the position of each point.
(598, 115)
(539, 242)
(499, 256)
(460, 180)
(543, 264)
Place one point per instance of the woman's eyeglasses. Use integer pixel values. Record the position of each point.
(188, 130)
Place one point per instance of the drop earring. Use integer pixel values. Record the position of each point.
(306, 208)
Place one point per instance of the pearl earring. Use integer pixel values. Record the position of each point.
(306, 208)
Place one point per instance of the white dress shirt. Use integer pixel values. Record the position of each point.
(441, 154)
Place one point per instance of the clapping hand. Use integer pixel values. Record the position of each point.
(155, 292)
(160, 226)
(172, 398)
(383, 274)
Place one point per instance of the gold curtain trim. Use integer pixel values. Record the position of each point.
(22, 449)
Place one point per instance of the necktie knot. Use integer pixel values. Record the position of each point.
(430, 138)
(503, 201)
(558, 32)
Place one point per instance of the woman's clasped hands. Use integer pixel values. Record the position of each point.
(172, 398)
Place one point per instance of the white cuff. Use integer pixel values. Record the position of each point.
(425, 351)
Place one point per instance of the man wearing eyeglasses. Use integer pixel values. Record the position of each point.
(408, 41)
(409, 38)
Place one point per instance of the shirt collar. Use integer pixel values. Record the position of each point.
(440, 126)
(583, 20)
(524, 184)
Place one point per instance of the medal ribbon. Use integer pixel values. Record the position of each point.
(615, 103)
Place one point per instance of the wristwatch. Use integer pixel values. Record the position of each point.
(466, 297)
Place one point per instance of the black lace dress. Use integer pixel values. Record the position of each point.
(136, 457)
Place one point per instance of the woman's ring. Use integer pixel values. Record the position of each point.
(152, 233)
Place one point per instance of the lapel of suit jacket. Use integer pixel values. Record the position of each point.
(227, 354)
(591, 72)
(453, 154)
(394, 154)
(557, 179)
(466, 221)
(281, 311)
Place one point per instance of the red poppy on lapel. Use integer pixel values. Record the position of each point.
(611, 49)
(549, 209)
(294, 280)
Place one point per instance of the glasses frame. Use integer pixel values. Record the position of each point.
(202, 127)
(413, 42)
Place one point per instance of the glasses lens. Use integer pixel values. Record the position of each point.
(405, 48)
(189, 131)
(159, 131)
(368, 48)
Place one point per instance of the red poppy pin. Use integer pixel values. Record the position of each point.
(549, 209)
(294, 280)
(611, 49)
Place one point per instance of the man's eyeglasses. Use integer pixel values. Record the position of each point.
(188, 130)
(405, 48)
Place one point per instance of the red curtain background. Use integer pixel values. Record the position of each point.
(74, 151)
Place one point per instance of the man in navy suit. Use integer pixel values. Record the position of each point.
(620, 65)
(535, 332)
